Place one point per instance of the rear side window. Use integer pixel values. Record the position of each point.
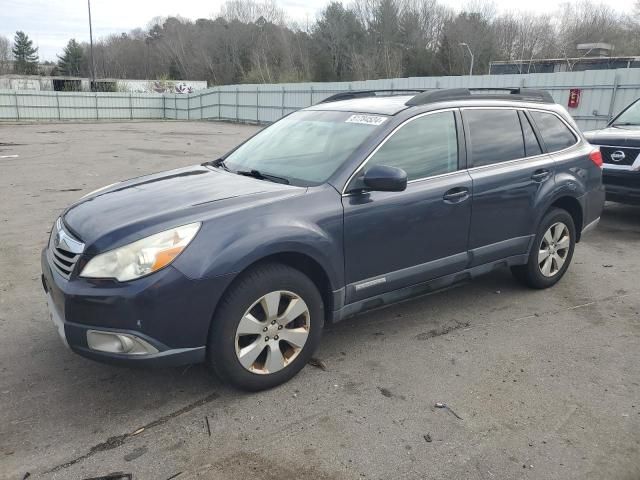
(531, 145)
(494, 136)
(423, 147)
(555, 134)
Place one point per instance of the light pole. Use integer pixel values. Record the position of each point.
(463, 44)
(93, 65)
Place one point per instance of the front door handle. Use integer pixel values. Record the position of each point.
(540, 175)
(456, 195)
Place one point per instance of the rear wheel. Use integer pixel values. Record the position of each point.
(266, 327)
(551, 252)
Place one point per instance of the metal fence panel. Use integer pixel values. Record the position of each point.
(44, 105)
(603, 94)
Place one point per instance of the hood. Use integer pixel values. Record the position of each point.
(620, 136)
(133, 209)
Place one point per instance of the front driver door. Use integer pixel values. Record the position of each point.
(396, 239)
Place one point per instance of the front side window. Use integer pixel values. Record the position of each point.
(306, 147)
(423, 147)
(555, 134)
(494, 136)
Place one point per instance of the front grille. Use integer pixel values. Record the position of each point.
(63, 261)
(619, 155)
(64, 250)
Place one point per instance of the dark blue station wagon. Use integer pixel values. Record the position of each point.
(357, 202)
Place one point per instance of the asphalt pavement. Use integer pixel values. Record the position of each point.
(546, 383)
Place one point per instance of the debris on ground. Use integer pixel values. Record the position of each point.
(386, 392)
(113, 476)
(206, 419)
(26, 475)
(607, 265)
(137, 453)
(316, 362)
(445, 406)
(140, 430)
(428, 438)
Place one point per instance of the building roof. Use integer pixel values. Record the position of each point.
(563, 60)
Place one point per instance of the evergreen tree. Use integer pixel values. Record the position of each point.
(25, 55)
(70, 63)
(174, 71)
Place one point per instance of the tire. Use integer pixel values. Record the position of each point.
(269, 309)
(545, 271)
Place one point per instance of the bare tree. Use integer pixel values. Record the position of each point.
(250, 11)
(5, 55)
(252, 41)
(587, 22)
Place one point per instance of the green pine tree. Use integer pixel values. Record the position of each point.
(25, 55)
(70, 63)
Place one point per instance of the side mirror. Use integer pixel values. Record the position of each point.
(385, 179)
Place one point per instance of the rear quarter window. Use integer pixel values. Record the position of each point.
(555, 134)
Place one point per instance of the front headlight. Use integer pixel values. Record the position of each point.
(142, 257)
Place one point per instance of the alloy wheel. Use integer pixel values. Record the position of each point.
(272, 332)
(553, 250)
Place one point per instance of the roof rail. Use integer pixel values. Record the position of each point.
(349, 94)
(523, 94)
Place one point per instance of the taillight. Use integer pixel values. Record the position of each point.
(596, 157)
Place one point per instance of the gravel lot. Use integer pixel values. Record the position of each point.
(547, 383)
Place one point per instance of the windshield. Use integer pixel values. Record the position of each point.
(306, 147)
(631, 116)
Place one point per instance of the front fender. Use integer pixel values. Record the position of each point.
(311, 225)
(307, 240)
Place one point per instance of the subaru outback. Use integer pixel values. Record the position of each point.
(357, 202)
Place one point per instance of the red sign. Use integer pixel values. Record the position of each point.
(574, 98)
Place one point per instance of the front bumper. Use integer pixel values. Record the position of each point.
(622, 186)
(167, 310)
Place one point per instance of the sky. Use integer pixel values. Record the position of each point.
(50, 24)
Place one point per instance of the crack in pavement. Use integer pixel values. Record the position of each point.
(119, 440)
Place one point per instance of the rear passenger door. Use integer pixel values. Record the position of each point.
(508, 169)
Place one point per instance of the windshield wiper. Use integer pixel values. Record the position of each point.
(262, 176)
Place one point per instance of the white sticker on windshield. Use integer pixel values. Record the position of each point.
(366, 119)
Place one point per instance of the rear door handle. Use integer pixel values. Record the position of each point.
(456, 195)
(540, 175)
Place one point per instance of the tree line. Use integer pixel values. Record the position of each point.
(252, 41)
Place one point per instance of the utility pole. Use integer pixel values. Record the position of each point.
(462, 44)
(93, 65)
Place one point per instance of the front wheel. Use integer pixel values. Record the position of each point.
(266, 327)
(551, 252)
